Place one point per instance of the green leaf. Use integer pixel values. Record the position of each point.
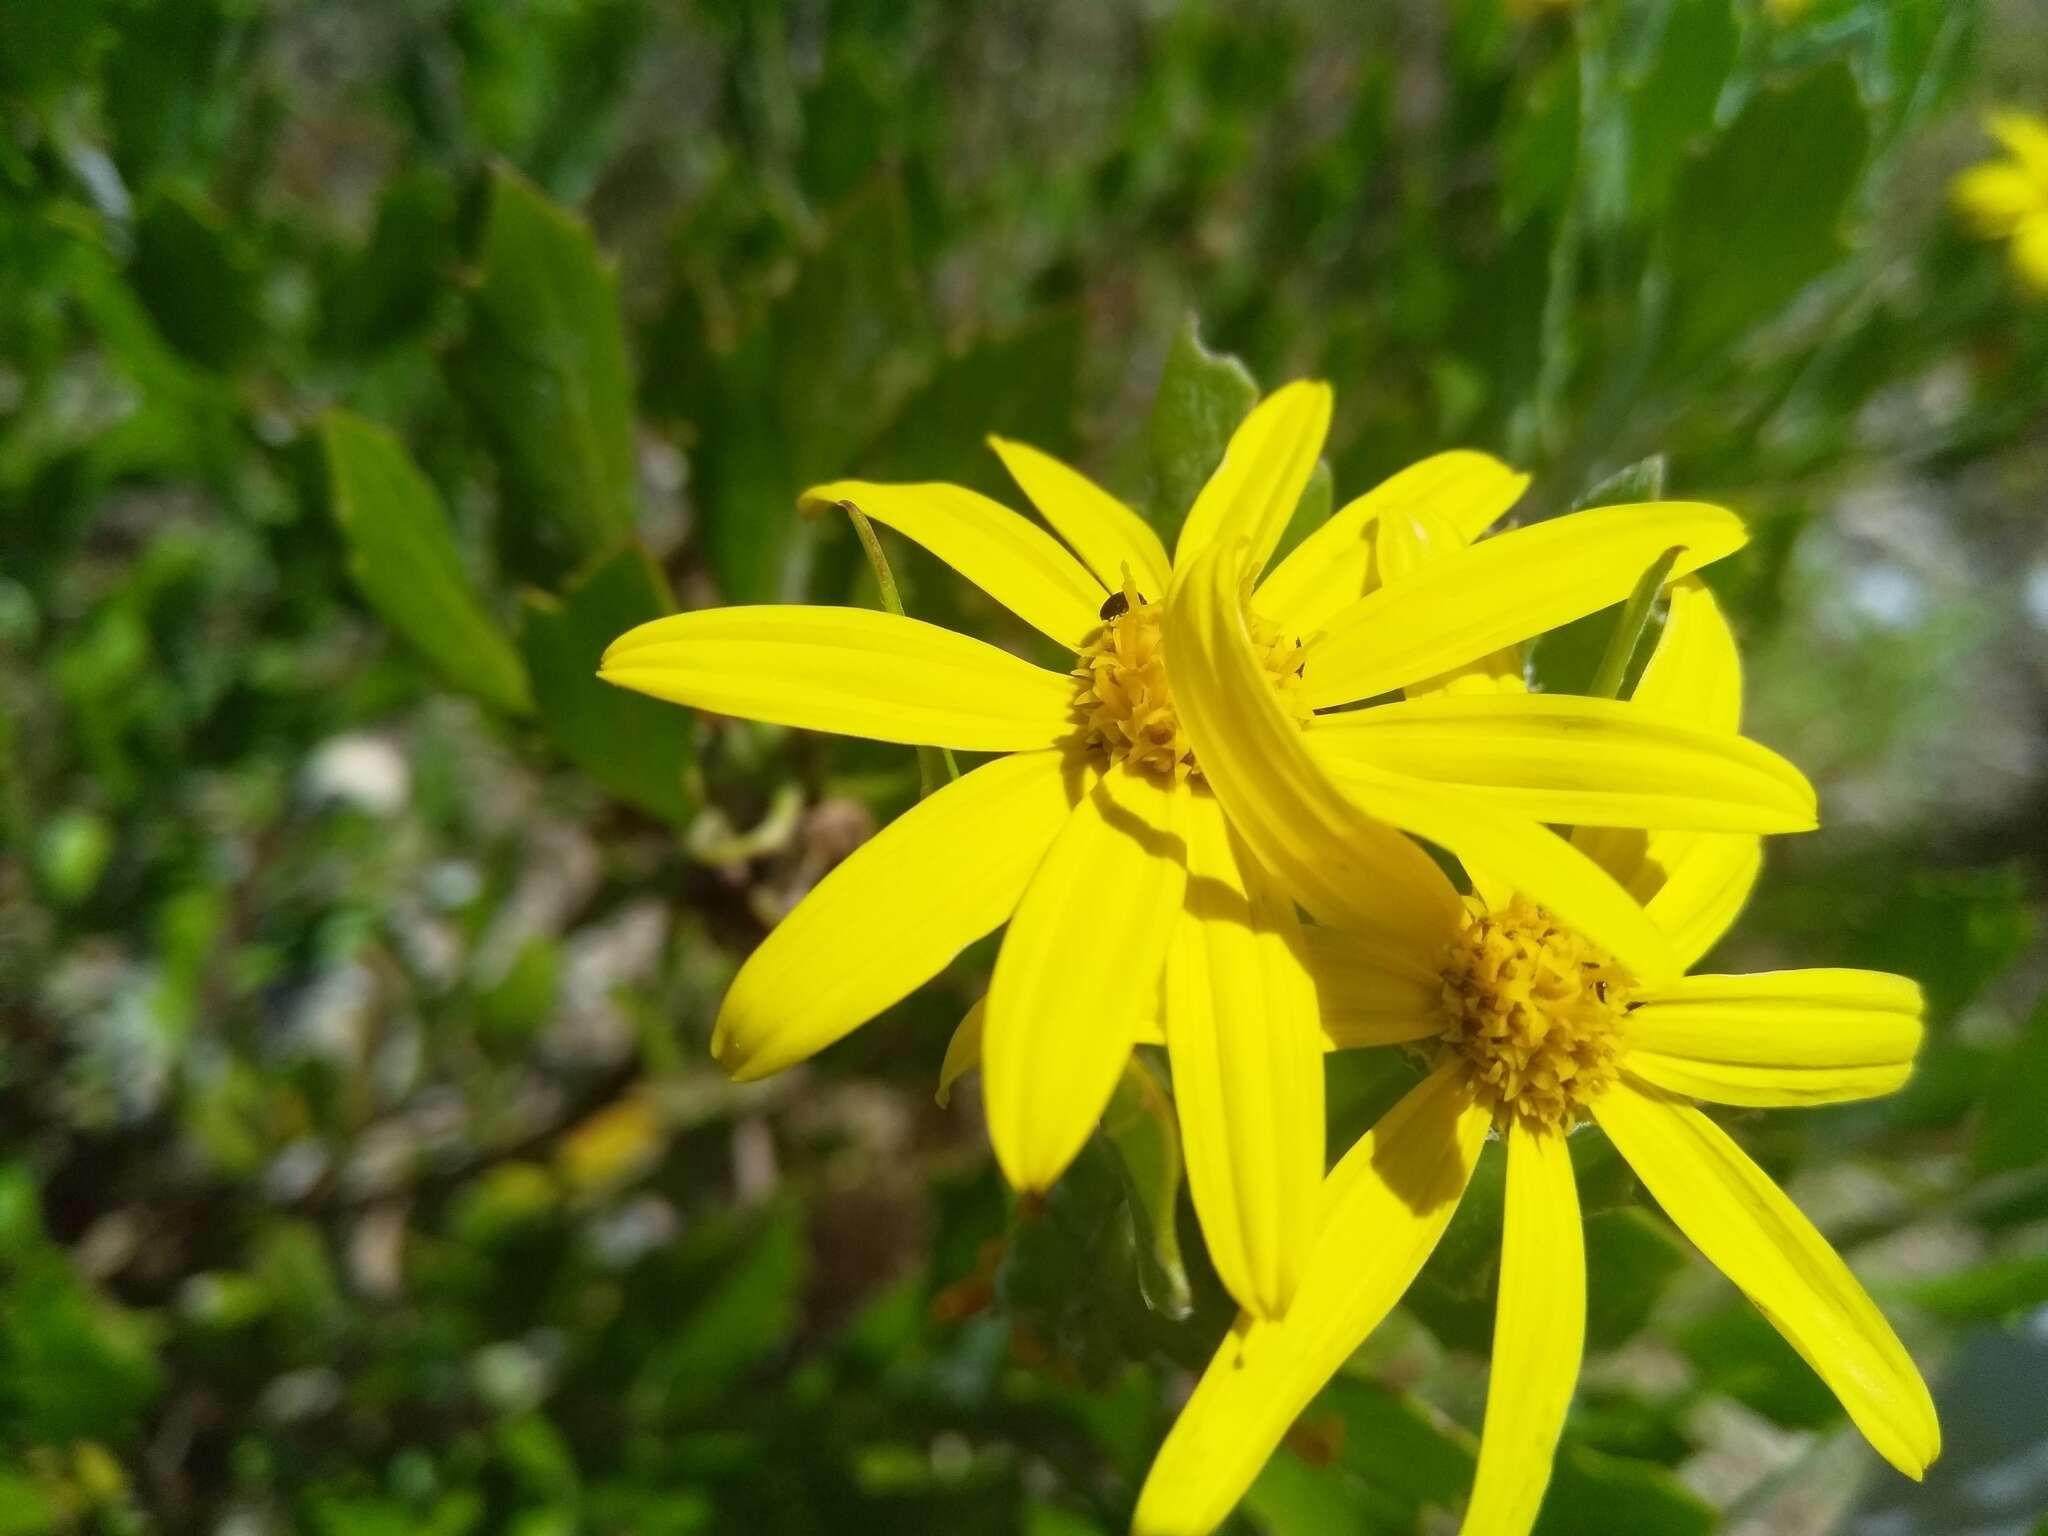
(1399, 1448)
(1737, 1352)
(1202, 397)
(638, 748)
(2012, 1131)
(1594, 1494)
(1292, 1498)
(1640, 481)
(45, 44)
(1990, 1292)
(1626, 636)
(1672, 101)
(1758, 215)
(194, 275)
(544, 369)
(1140, 1124)
(1019, 385)
(402, 555)
(1630, 1257)
(805, 392)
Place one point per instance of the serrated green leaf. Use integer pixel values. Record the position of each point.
(403, 557)
(544, 370)
(1757, 215)
(638, 748)
(1202, 397)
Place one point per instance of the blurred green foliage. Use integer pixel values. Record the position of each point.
(365, 369)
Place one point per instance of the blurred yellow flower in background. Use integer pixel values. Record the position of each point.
(2007, 198)
(1532, 1025)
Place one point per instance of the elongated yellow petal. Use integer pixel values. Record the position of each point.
(1247, 1054)
(1009, 557)
(1744, 1224)
(2025, 135)
(895, 912)
(1345, 867)
(1265, 468)
(1105, 533)
(1695, 672)
(963, 1051)
(852, 671)
(1539, 1334)
(1384, 1207)
(1781, 1037)
(1370, 992)
(1079, 970)
(1333, 567)
(1556, 757)
(1410, 538)
(1693, 883)
(1503, 590)
(1996, 197)
(1513, 851)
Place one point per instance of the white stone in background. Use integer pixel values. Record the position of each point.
(361, 769)
(591, 1028)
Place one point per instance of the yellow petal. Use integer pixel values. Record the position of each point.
(1781, 1037)
(1370, 992)
(1997, 197)
(1009, 557)
(1247, 1055)
(1556, 757)
(1503, 590)
(1539, 1334)
(2026, 136)
(1078, 971)
(895, 912)
(963, 1051)
(1105, 533)
(1346, 868)
(1265, 468)
(853, 671)
(1410, 538)
(1694, 883)
(1514, 850)
(1744, 1224)
(1384, 1207)
(1333, 566)
(2030, 253)
(1695, 672)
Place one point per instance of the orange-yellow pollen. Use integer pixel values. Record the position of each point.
(1125, 702)
(1535, 1012)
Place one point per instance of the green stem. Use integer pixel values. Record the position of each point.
(1628, 629)
(930, 760)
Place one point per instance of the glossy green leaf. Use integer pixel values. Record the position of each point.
(402, 554)
(545, 372)
(638, 748)
(1202, 397)
(1758, 215)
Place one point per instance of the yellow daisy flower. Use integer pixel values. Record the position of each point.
(1134, 909)
(1533, 1024)
(2007, 199)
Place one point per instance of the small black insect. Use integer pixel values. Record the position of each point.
(1600, 988)
(1116, 605)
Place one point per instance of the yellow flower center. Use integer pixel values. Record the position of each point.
(1125, 702)
(1535, 1012)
